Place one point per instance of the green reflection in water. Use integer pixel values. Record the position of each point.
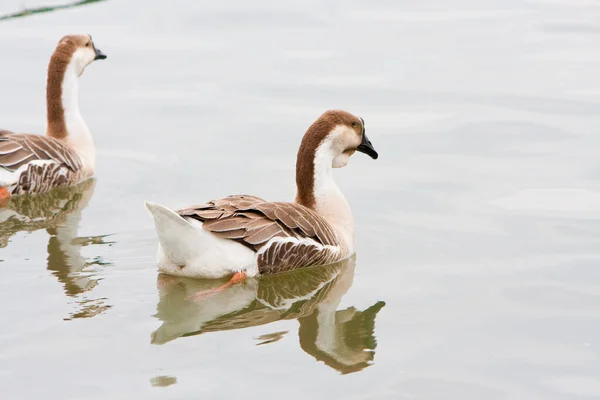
(59, 213)
(38, 10)
(163, 381)
(342, 339)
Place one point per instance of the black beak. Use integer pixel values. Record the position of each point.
(366, 146)
(99, 54)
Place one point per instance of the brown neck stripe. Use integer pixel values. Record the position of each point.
(57, 67)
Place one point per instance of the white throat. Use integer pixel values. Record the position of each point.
(330, 203)
(79, 136)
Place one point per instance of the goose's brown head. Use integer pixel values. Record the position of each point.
(329, 142)
(339, 134)
(79, 51)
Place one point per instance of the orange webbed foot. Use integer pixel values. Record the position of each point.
(4, 196)
(236, 278)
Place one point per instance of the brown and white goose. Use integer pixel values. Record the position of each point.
(65, 155)
(246, 235)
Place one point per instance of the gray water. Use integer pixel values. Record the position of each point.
(478, 228)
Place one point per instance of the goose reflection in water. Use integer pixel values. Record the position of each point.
(342, 339)
(59, 213)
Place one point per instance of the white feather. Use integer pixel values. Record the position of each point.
(279, 240)
(8, 178)
(331, 202)
(80, 137)
(186, 249)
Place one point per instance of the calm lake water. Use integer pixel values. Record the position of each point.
(477, 273)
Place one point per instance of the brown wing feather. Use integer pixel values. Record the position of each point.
(18, 149)
(263, 235)
(253, 222)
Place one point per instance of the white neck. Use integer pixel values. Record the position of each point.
(330, 203)
(79, 136)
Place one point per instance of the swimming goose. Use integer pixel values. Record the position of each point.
(246, 235)
(65, 155)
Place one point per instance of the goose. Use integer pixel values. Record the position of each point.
(243, 236)
(65, 156)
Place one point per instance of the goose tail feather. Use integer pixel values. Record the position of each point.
(178, 238)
